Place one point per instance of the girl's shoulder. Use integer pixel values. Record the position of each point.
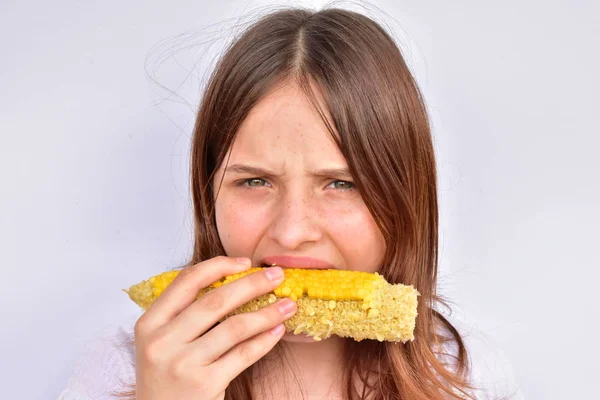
(105, 365)
(490, 370)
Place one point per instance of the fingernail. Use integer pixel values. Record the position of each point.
(245, 261)
(287, 306)
(278, 330)
(274, 273)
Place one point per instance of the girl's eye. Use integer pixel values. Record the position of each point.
(342, 185)
(254, 182)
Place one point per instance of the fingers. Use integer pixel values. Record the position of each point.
(185, 287)
(205, 312)
(239, 328)
(234, 362)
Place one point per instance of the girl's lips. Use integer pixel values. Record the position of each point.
(297, 262)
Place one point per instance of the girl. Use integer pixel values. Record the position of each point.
(311, 149)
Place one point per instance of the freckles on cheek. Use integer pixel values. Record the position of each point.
(239, 227)
(343, 225)
(357, 237)
(343, 219)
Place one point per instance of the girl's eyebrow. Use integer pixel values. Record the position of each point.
(248, 169)
(337, 172)
(257, 171)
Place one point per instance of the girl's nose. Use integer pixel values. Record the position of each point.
(295, 222)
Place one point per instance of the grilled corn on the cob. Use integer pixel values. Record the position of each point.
(354, 304)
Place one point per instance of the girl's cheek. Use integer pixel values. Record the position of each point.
(341, 216)
(239, 225)
(356, 236)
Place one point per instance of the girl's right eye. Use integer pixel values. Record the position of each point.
(252, 182)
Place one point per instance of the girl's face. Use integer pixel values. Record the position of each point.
(287, 197)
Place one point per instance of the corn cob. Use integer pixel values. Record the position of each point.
(354, 304)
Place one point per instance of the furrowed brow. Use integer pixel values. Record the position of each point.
(257, 171)
(331, 172)
(249, 169)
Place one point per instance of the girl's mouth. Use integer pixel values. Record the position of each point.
(296, 262)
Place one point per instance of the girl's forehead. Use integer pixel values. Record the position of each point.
(283, 121)
(286, 109)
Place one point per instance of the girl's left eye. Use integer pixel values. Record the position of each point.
(341, 185)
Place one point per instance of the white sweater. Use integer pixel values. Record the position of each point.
(107, 363)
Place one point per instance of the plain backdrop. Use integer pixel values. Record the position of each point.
(97, 103)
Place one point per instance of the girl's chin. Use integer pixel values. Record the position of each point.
(300, 338)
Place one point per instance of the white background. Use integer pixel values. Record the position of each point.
(93, 169)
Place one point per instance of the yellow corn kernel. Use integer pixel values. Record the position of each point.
(354, 304)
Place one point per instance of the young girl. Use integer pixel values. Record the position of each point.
(311, 149)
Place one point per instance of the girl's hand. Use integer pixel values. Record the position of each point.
(179, 356)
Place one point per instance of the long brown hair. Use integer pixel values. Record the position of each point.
(379, 121)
